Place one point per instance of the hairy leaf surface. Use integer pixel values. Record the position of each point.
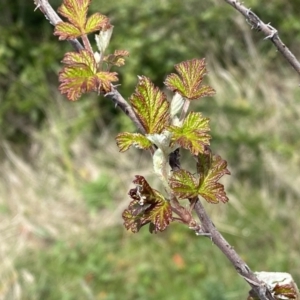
(188, 82)
(192, 135)
(76, 13)
(184, 184)
(150, 106)
(125, 140)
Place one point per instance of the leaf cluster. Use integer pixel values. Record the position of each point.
(165, 134)
(167, 124)
(85, 71)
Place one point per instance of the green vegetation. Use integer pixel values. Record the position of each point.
(63, 184)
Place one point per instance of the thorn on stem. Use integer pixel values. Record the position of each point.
(273, 32)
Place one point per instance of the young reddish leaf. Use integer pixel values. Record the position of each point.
(184, 184)
(125, 140)
(209, 187)
(132, 222)
(160, 216)
(150, 106)
(116, 59)
(192, 135)
(147, 206)
(188, 84)
(80, 75)
(75, 11)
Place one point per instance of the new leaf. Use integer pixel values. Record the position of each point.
(150, 106)
(76, 11)
(125, 140)
(147, 206)
(116, 59)
(80, 75)
(192, 135)
(209, 187)
(186, 185)
(188, 83)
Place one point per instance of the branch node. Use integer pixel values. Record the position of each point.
(199, 231)
(273, 32)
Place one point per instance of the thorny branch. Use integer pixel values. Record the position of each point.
(269, 31)
(241, 267)
(207, 227)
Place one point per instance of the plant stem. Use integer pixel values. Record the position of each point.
(240, 266)
(269, 31)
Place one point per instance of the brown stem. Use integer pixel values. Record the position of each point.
(270, 32)
(119, 101)
(240, 266)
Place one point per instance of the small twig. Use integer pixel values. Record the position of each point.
(270, 32)
(119, 101)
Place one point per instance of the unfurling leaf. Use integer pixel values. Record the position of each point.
(176, 104)
(147, 206)
(103, 39)
(75, 11)
(192, 135)
(125, 140)
(80, 75)
(116, 59)
(150, 106)
(188, 83)
(186, 185)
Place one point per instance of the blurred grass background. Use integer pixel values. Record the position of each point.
(63, 184)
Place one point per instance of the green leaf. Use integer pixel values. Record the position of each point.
(150, 106)
(188, 83)
(80, 75)
(192, 135)
(125, 140)
(76, 12)
(184, 184)
(147, 206)
(212, 170)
